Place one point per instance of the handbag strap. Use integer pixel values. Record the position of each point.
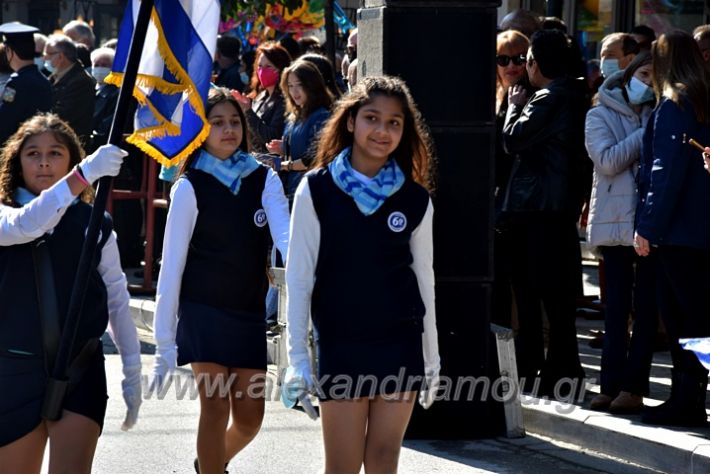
(47, 302)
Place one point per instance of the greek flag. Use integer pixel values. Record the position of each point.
(700, 346)
(173, 76)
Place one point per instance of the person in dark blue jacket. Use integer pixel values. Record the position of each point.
(308, 104)
(673, 217)
(227, 58)
(27, 92)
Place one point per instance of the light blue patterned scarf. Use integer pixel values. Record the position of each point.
(368, 197)
(230, 171)
(23, 196)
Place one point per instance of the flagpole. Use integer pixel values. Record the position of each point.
(330, 31)
(58, 383)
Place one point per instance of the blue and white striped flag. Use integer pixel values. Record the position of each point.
(700, 346)
(173, 76)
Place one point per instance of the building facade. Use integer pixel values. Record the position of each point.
(590, 20)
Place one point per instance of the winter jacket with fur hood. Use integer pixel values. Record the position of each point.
(613, 136)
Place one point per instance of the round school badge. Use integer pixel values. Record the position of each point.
(397, 221)
(260, 218)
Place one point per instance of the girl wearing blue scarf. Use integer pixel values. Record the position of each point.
(361, 265)
(210, 297)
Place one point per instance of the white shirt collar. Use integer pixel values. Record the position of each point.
(361, 177)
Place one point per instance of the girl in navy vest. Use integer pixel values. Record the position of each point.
(210, 296)
(360, 262)
(41, 175)
(308, 103)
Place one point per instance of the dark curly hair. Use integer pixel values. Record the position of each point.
(10, 165)
(415, 152)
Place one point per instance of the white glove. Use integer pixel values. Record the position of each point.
(165, 362)
(427, 395)
(106, 161)
(132, 394)
(297, 382)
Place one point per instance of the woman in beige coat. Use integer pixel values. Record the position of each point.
(613, 136)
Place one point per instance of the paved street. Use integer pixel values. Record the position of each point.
(289, 442)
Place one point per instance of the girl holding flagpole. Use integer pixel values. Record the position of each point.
(362, 223)
(210, 295)
(45, 193)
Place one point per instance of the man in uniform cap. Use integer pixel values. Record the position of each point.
(28, 91)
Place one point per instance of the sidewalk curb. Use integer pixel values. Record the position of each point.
(625, 438)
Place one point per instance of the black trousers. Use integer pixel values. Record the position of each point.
(545, 262)
(684, 306)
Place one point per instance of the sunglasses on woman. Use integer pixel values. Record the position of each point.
(503, 60)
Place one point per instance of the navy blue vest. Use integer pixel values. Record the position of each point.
(20, 327)
(226, 261)
(365, 288)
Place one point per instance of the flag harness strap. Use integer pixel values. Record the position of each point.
(56, 390)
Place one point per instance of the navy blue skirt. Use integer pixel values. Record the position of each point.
(355, 369)
(23, 381)
(228, 338)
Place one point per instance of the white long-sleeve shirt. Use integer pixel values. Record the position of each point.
(41, 214)
(180, 225)
(301, 267)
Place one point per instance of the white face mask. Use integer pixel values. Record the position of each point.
(609, 66)
(638, 92)
(100, 74)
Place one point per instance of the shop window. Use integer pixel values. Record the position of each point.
(594, 22)
(666, 15)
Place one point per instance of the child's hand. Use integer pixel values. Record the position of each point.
(641, 245)
(106, 161)
(243, 101)
(132, 395)
(275, 146)
(429, 391)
